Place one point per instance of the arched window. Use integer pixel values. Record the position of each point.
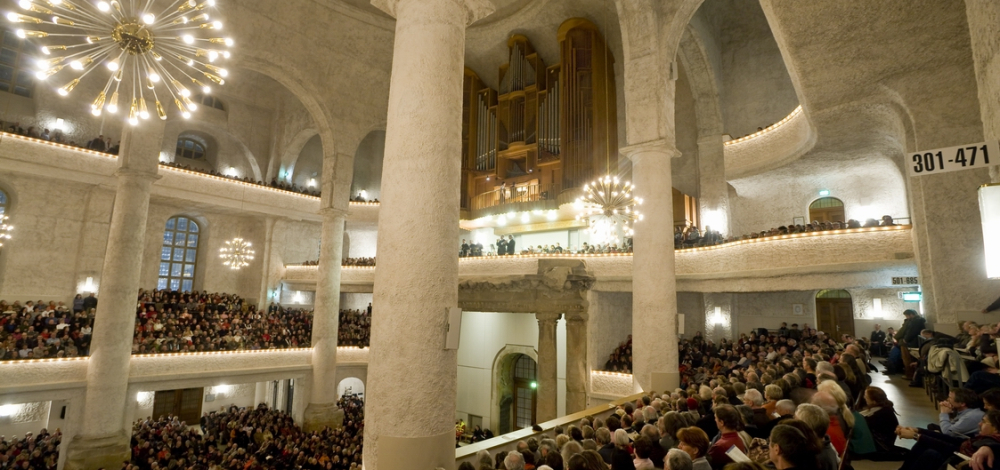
(524, 392)
(190, 148)
(827, 209)
(210, 101)
(179, 255)
(4, 201)
(16, 75)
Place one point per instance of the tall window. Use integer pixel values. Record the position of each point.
(3, 203)
(209, 100)
(16, 75)
(524, 392)
(190, 148)
(179, 255)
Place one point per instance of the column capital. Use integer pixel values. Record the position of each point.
(661, 146)
(577, 316)
(475, 10)
(547, 317)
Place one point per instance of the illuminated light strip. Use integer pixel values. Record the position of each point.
(820, 233)
(221, 353)
(180, 170)
(344, 266)
(50, 359)
(770, 128)
(352, 348)
(613, 374)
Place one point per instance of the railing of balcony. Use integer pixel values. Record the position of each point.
(516, 194)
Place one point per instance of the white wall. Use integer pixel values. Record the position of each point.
(484, 335)
(22, 418)
(354, 301)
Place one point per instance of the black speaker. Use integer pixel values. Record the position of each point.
(62, 413)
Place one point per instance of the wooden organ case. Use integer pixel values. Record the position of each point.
(548, 129)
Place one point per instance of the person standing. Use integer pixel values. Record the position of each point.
(510, 246)
(877, 338)
(501, 246)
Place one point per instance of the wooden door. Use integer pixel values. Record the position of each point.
(185, 404)
(835, 317)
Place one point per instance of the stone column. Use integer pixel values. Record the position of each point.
(410, 408)
(263, 297)
(713, 190)
(548, 370)
(982, 18)
(654, 286)
(576, 362)
(103, 440)
(322, 409)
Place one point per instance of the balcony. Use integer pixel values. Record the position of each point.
(521, 198)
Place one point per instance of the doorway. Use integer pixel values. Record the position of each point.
(835, 313)
(185, 404)
(827, 209)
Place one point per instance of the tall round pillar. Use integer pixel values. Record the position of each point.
(576, 362)
(654, 283)
(322, 409)
(410, 407)
(103, 438)
(548, 371)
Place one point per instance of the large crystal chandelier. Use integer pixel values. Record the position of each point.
(238, 253)
(157, 51)
(5, 229)
(610, 209)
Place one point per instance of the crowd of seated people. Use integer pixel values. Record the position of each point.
(357, 262)
(795, 399)
(508, 246)
(168, 321)
(355, 328)
(363, 198)
(690, 236)
(40, 330)
(242, 438)
(621, 359)
(33, 452)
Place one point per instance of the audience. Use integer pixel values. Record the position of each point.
(39, 452)
(355, 328)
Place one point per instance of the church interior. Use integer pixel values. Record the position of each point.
(491, 234)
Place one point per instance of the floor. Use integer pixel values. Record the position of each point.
(913, 406)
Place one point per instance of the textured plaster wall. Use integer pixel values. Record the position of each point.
(364, 243)
(309, 164)
(27, 417)
(354, 301)
(774, 198)
(770, 150)
(484, 335)
(611, 386)
(692, 306)
(756, 88)
(769, 309)
(220, 398)
(368, 165)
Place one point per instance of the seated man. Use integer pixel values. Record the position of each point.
(960, 417)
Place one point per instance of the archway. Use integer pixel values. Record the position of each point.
(351, 386)
(827, 209)
(517, 376)
(835, 313)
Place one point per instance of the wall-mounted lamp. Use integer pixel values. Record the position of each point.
(9, 410)
(989, 210)
(363, 194)
(312, 182)
(876, 308)
(718, 319)
(59, 125)
(824, 192)
(297, 298)
(222, 389)
(89, 286)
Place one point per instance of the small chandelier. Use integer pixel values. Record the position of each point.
(5, 229)
(154, 51)
(610, 208)
(238, 253)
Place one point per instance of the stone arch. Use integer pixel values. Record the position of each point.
(694, 62)
(503, 362)
(291, 153)
(352, 385)
(368, 160)
(213, 135)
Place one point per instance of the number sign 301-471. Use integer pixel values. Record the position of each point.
(962, 157)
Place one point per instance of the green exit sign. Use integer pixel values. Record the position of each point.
(912, 296)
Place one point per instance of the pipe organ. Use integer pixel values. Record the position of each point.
(547, 129)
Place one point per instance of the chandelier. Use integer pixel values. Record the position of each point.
(609, 207)
(157, 53)
(5, 229)
(238, 253)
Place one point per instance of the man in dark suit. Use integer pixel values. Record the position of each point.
(501, 246)
(465, 249)
(510, 246)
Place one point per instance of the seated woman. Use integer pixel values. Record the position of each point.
(695, 442)
(881, 418)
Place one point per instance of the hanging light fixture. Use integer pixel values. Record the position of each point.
(238, 253)
(157, 51)
(989, 210)
(610, 208)
(5, 229)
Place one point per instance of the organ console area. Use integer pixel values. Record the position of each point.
(547, 130)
